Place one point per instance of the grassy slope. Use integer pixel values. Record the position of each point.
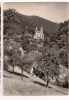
(13, 85)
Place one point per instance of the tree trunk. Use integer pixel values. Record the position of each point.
(22, 73)
(47, 79)
(13, 68)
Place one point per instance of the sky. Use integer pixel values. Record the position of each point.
(53, 11)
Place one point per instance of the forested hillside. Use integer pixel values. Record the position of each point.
(56, 35)
(15, 22)
(58, 41)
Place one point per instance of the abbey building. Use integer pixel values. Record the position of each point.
(39, 33)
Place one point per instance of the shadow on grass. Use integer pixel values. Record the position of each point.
(44, 85)
(7, 76)
(19, 74)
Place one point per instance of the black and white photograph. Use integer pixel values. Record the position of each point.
(35, 58)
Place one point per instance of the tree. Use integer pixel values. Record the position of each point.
(49, 65)
(15, 58)
(63, 56)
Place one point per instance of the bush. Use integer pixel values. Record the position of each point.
(66, 81)
(63, 82)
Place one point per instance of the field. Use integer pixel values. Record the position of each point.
(14, 86)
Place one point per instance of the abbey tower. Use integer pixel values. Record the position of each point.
(39, 33)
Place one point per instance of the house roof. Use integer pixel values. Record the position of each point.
(32, 56)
